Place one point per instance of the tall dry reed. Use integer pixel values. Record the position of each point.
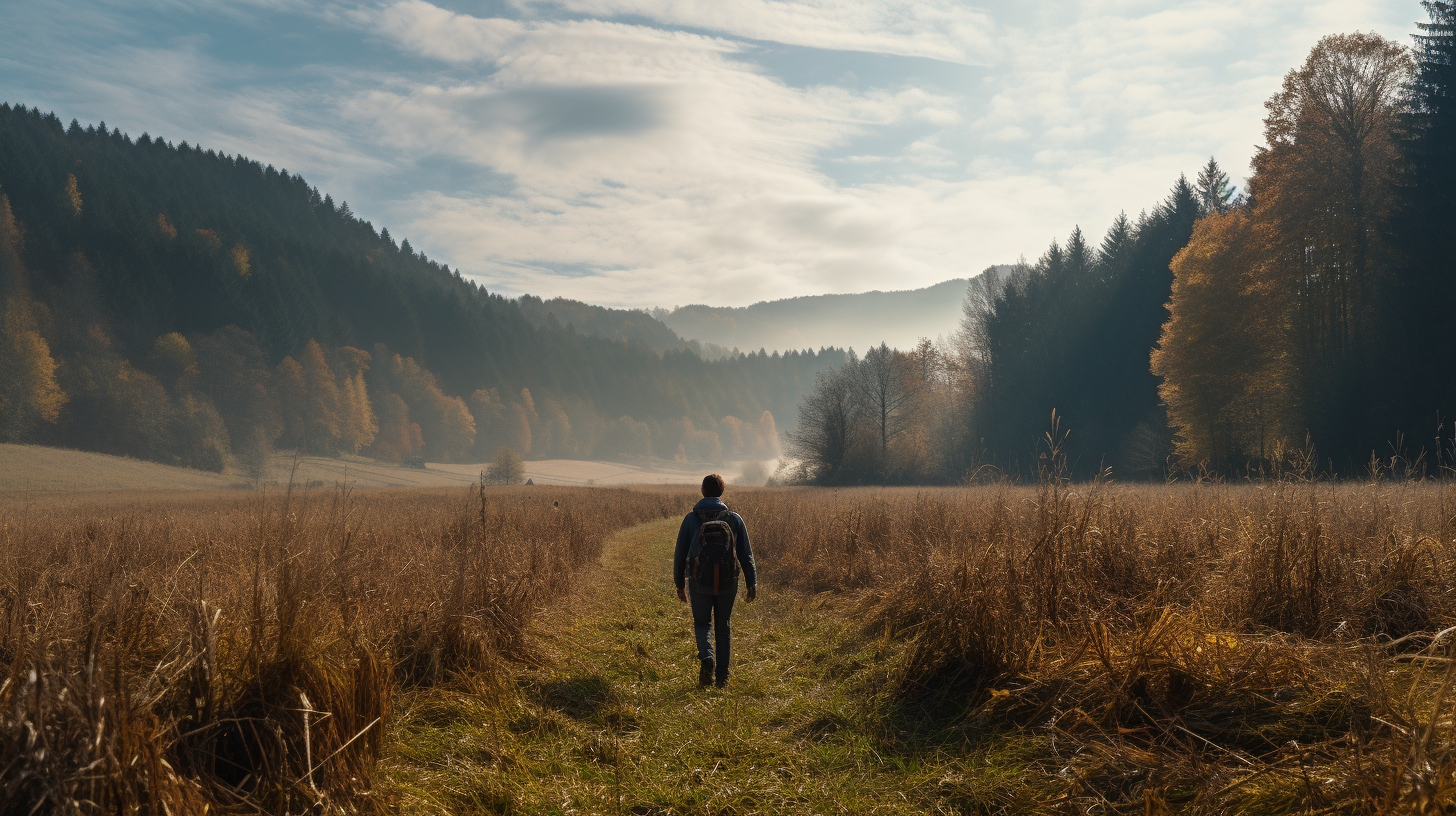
(1170, 641)
(186, 653)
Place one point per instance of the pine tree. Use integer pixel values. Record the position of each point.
(1112, 254)
(1417, 319)
(1215, 193)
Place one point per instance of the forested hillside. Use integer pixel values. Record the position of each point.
(631, 325)
(861, 321)
(174, 303)
(1305, 325)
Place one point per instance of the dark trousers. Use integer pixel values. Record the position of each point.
(717, 609)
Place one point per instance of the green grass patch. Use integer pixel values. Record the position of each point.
(612, 720)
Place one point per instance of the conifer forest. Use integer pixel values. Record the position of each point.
(1296, 324)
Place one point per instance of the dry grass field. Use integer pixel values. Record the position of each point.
(240, 650)
(1278, 648)
(1256, 649)
(33, 468)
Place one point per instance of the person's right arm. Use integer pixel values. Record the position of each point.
(680, 558)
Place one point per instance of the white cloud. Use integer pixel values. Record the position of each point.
(716, 167)
(635, 149)
(641, 151)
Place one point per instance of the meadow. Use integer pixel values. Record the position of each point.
(1270, 648)
(171, 653)
(1199, 648)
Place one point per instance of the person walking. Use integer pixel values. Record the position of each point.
(712, 548)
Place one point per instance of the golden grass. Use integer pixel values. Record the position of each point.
(1207, 648)
(241, 651)
(1093, 648)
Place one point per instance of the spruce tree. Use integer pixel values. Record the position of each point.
(1215, 193)
(1420, 332)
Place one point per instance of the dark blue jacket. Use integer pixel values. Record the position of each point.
(689, 530)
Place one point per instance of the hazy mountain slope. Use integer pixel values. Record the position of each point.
(859, 321)
(111, 245)
(631, 325)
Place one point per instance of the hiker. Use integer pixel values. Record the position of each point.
(712, 545)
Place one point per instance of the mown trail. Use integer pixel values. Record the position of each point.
(612, 720)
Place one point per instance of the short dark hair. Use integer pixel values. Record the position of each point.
(712, 486)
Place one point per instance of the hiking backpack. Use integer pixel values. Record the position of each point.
(714, 559)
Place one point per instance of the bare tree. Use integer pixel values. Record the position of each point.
(972, 343)
(883, 384)
(826, 423)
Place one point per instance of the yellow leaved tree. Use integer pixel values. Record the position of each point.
(29, 392)
(1274, 302)
(1225, 355)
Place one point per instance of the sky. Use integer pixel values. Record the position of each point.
(646, 153)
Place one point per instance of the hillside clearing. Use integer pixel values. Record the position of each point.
(41, 469)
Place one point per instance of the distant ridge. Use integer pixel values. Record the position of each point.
(860, 321)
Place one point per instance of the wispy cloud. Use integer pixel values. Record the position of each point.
(628, 152)
(939, 29)
(647, 153)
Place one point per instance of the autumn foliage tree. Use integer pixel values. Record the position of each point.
(506, 468)
(883, 418)
(1325, 188)
(29, 391)
(1274, 326)
(357, 422)
(1226, 354)
(321, 416)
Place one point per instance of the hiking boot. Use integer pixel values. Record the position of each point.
(722, 682)
(705, 673)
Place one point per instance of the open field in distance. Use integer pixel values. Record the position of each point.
(43, 469)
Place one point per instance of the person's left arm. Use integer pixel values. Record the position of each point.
(745, 558)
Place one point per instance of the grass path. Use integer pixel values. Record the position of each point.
(612, 720)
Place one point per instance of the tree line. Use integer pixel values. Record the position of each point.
(177, 304)
(1305, 321)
